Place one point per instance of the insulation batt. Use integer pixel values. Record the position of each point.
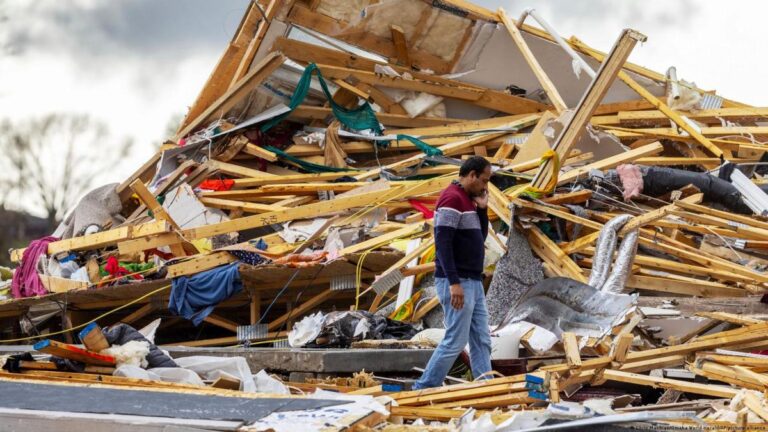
(132, 353)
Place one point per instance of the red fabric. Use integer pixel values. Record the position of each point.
(217, 185)
(115, 270)
(418, 205)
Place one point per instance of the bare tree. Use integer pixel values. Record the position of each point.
(52, 160)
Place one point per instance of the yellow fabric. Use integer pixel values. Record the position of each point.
(534, 192)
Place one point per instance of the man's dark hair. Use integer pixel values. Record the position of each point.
(478, 164)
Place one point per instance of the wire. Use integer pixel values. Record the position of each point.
(77, 327)
(285, 287)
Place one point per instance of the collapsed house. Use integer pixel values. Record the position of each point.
(294, 207)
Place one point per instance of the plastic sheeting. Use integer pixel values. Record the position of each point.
(211, 368)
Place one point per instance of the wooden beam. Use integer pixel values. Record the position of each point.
(139, 313)
(602, 82)
(221, 322)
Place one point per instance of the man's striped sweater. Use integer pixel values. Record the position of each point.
(460, 231)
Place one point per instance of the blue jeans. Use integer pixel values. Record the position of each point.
(468, 324)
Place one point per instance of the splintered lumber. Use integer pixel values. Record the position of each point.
(577, 124)
(571, 346)
(621, 346)
(200, 263)
(73, 352)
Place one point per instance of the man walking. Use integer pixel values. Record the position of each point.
(461, 225)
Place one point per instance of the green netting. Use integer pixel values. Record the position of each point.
(359, 118)
(309, 166)
(426, 148)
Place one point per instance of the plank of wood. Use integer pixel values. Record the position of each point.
(426, 413)
(691, 288)
(315, 209)
(51, 366)
(307, 112)
(247, 207)
(291, 179)
(73, 352)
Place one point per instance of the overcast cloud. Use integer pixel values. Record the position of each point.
(136, 64)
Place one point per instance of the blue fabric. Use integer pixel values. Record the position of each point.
(194, 297)
(468, 324)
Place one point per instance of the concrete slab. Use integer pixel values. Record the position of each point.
(332, 360)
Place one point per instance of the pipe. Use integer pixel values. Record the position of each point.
(560, 41)
(606, 245)
(622, 267)
(673, 86)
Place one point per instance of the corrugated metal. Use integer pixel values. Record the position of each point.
(710, 101)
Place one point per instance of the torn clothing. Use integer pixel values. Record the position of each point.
(460, 231)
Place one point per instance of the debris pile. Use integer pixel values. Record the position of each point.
(295, 206)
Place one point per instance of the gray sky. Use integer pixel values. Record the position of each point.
(135, 64)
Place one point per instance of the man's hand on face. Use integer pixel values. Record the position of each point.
(482, 199)
(457, 296)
